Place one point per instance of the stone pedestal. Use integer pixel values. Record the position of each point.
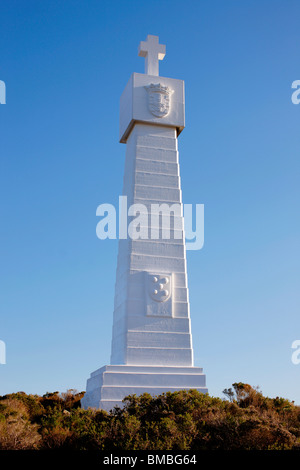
(109, 385)
(151, 338)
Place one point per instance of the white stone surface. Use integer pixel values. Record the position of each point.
(134, 106)
(153, 52)
(109, 385)
(151, 336)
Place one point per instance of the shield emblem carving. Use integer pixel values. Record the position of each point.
(159, 287)
(159, 99)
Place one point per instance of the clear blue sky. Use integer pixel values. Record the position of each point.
(65, 65)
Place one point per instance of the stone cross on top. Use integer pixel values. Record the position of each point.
(153, 52)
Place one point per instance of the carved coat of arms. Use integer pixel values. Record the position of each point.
(159, 287)
(159, 99)
(159, 294)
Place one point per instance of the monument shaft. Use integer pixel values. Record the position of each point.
(149, 330)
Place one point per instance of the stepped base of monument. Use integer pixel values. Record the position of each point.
(108, 386)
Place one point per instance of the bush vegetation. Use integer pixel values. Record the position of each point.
(184, 420)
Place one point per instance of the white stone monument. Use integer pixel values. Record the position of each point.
(151, 339)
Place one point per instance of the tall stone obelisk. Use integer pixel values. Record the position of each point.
(151, 339)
